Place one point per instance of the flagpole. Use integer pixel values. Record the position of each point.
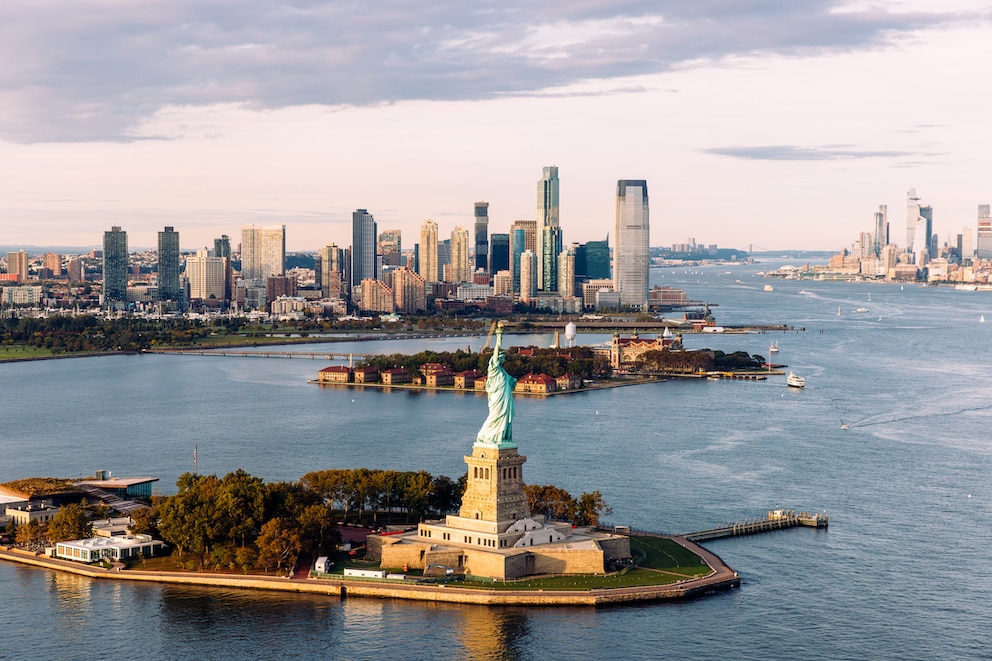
(195, 465)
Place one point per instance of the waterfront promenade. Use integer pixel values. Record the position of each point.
(722, 577)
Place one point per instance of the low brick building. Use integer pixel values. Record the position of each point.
(334, 374)
(366, 375)
(536, 384)
(396, 375)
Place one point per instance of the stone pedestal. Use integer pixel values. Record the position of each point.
(494, 497)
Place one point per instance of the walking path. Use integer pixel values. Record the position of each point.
(722, 578)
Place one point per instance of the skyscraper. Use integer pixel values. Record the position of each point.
(566, 272)
(222, 249)
(363, 247)
(482, 236)
(114, 267)
(632, 232)
(17, 264)
(207, 275)
(390, 247)
(547, 219)
(984, 232)
(499, 253)
(461, 269)
(428, 251)
(523, 236)
(263, 252)
(881, 233)
(528, 275)
(912, 215)
(168, 266)
(332, 264)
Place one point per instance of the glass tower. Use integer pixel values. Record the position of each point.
(168, 266)
(482, 236)
(363, 247)
(547, 228)
(630, 269)
(114, 267)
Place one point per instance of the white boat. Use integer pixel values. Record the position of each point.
(769, 288)
(838, 310)
(773, 347)
(862, 310)
(794, 381)
(981, 319)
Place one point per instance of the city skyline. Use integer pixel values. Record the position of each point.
(774, 124)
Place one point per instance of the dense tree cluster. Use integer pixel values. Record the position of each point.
(687, 362)
(72, 334)
(556, 503)
(553, 362)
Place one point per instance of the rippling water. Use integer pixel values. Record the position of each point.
(904, 571)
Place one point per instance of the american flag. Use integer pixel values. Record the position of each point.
(194, 454)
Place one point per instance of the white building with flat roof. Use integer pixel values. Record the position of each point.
(111, 548)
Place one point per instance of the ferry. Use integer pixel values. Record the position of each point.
(773, 347)
(794, 381)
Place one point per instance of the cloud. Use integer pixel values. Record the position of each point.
(794, 153)
(96, 69)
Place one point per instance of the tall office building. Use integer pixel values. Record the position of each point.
(919, 229)
(566, 272)
(263, 252)
(523, 236)
(363, 247)
(499, 253)
(390, 247)
(482, 236)
(222, 249)
(428, 252)
(461, 266)
(74, 270)
(332, 262)
(597, 266)
(53, 262)
(114, 267)
(984, 250)
(528, 275)
(168, 266)
(881, 233)
(207, 275)
(547, 226)
(409, 291)
(632, 233)
(17, 264)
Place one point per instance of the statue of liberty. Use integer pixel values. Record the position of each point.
(498, 427)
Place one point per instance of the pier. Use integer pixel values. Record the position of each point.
(776, 520)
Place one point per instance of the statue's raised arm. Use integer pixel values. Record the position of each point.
(498, 429)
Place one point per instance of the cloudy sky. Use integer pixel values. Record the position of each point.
(778, 123)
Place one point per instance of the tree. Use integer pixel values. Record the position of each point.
(550, 501)
(144, 522)
(71, 522)
(187, 519)
(279, 544)
(589, 507)
(28, 532)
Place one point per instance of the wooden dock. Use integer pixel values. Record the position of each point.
(776, 520)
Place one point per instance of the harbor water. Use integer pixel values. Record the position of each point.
(904, 571)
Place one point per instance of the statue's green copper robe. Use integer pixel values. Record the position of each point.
(498, 429)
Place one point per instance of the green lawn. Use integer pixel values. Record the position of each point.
(23, 351)
(666, 555)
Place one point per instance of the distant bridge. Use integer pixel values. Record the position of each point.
(309, 355)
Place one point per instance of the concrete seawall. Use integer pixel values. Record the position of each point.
(722, 578)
